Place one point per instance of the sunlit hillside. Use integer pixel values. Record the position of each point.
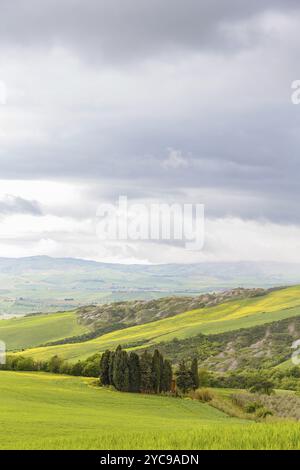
(229, 316)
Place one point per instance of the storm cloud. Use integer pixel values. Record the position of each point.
(121, 30)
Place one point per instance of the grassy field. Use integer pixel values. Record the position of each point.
(44, 411)
(229, 316)
(35, 330)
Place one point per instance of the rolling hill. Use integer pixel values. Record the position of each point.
(30, 331)
(92, 321)
(44, 284)
(258, 347)
(229, 316)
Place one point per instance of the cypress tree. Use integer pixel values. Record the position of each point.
(195, 374)
(117, 368)
(184, 377)
(111, 368)
(155, 371)
(161, 366)
(104, 368)
(121, 370)
(124, 372)
(146, 372)
(134, 373)
(167, 375)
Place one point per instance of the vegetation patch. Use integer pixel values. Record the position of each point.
(283, 405)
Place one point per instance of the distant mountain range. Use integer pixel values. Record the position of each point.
(43, 283)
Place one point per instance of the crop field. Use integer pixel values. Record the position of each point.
(229, 316)
(35, 330)
(44, 411)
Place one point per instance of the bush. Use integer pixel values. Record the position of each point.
(203, 394)
(265, 386)
(252, 407)
(263, 412)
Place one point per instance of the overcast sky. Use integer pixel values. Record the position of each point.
(172, 101)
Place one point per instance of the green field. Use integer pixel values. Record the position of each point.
(30, 331)
(229, 316)
(44, 411)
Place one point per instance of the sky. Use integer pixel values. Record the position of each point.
(169, 101)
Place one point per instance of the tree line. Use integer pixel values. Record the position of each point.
(148, 373)
(128, 372)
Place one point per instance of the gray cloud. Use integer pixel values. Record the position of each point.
(124, 30)
(17, 205)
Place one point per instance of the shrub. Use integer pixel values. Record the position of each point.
(263, 412)
(203, 394)
(252, 407)
(265, 386)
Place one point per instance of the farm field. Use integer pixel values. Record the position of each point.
(229, 316)
(44, 411)
(35, 330)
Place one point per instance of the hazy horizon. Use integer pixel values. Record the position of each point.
(239, 262)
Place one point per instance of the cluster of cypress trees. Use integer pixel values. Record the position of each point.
(187, 378)
(133, 373)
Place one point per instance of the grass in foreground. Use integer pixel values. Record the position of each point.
(209, 437)
(45, 411)
(229, 316)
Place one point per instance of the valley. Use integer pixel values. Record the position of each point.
(44, 284)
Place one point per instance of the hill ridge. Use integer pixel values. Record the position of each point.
(229, 316)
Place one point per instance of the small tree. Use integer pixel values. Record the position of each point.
(264, 386)
(295, 372)
(104, 368)
(55, 364)
(146, 372)
(156, 371)
(195, 374)
(91, 369)
(111, 368)
(77, 368)
(121, 370)
(124, 372)
(204, 378)
(167, 375)
(134, 372)
(184, 377)
(117, 368)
